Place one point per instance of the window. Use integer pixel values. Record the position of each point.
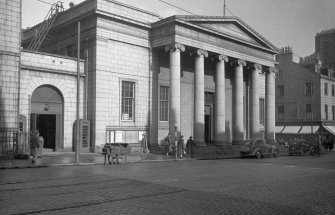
(280, 113)
(261, 111)
(280, 90)
(164, 104)
(128, 95)
(308, 112)
(333, 112)
(333, 90)
(326, 111)
(326, 89)
(309, 89)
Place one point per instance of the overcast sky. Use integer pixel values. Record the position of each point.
(282, 22)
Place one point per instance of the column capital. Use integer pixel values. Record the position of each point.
(239, 62)
(174, 47)
(255, 66)
(222, 57)
(270, 70)
(200, 52)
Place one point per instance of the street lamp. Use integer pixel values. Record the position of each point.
(175, 139)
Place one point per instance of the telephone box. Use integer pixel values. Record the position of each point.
(84, 135)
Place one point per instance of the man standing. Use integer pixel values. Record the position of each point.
(144, 146)
(34, 146)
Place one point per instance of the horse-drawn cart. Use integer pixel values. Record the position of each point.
(115, 150)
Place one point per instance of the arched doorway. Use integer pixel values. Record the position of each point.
(47, 115)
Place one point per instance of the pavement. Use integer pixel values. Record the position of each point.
(68, 159)
(302, 185)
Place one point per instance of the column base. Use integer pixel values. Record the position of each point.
(219, 142)
(199, 143)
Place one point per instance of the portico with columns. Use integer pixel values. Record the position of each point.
(217, 67)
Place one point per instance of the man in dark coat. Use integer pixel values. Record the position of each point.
(34, 146)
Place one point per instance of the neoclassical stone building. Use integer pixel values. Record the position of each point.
(208, 77)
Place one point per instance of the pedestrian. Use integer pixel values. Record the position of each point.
(144, 147)
(189, 146)
(181, 146)
(168, 146)
(331, 144)
(34, 146)
(41, 145)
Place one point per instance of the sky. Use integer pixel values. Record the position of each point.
(282, 22)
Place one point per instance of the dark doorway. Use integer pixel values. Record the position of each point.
(207, 128)
(46, 124)
(208, 124)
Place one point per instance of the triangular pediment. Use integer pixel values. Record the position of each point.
(232, 27)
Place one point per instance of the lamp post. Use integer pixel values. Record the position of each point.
(175, 140)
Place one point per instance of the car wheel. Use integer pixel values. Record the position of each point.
(275, 154)
(258, 154)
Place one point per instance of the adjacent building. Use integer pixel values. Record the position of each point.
(305, 97)
(209, 77)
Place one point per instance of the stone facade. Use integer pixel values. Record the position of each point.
(38, 70)
(134, 54)
(10, 36)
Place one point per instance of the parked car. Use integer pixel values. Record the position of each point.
(297, 146)
(258, 148)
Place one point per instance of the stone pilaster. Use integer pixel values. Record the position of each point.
(199, 97)
(220, 100)
(270, 105)
(238, 102)
(174, 100)
(254, 100)
(10, 37)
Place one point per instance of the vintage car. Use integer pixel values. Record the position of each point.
(297, 146)
(258, 148)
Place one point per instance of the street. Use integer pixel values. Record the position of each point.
(284, 185)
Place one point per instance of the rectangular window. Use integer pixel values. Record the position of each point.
(280, 113)
(308, 112)
(280, 90)
(309, 89)
(128, 98)
(261, 111)
(333, 112)
(164, 104)
(326, 111)
(326, 89)
(333, 90)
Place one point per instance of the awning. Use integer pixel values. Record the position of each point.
(309, 129)
(291, 130)
(278, 129)
(330, 128)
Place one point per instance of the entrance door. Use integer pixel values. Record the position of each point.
(47, 116)
(208, 124)
(47, 127)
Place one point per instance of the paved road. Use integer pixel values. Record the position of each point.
(285, 185)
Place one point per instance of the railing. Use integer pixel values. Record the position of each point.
(14, 143)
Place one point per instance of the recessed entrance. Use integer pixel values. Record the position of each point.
(47, 116)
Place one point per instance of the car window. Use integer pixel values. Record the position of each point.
(247, 143)
(259, 142)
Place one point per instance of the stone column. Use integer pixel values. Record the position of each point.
(254, 101)
(270, 105)
(238, 102)
(199, 97)
(220, 100)
(174, 98)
